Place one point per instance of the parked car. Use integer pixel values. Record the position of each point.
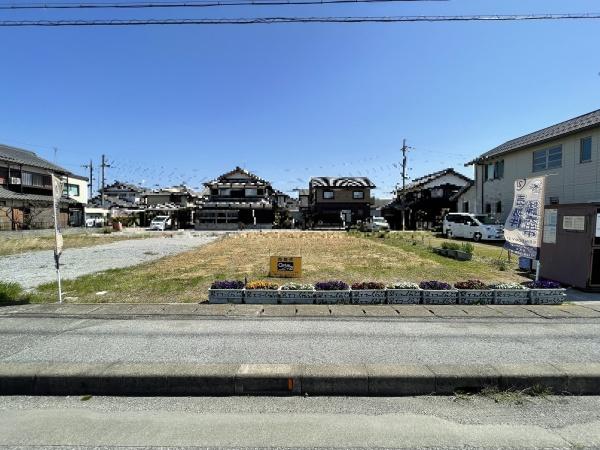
(472, 226)
(377, 224)
(160, 223)
(92, 222)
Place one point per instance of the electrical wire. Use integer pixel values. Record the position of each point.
(190, 4)
(275, 20)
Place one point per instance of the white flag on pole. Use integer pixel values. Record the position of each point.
(57, 189)
(523, 227)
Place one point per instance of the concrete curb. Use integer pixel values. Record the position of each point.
(290, 379)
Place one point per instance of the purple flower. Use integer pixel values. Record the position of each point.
(543, 284)
(331, 285)
(227, 284)
(434, 285)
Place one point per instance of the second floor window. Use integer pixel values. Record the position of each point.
(585, 150)
(549, 158)
(328, 195)
(36, 179)
(358, 195)
(70, 190)
(494, 171)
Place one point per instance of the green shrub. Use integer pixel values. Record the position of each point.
(10, 292)
(467, 247)
(450, 245)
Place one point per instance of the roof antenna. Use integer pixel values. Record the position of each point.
(55, 152)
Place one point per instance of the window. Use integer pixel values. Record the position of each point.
(488, 208)
(493, 171)
(250, 192)
(70, 190)
(327, 195)
(36, 179)
(358, 195)
(3, 175)
(465, 207)
(550, 158)
(585, 150)
(499, 169)
(224, 192)
(498, 207)
(554, 200)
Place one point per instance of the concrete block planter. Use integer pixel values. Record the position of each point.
(511, 296)
(475, 296)
(463, 256)
(332, 297)
(261, 296)
(297, 297)
(367, 297)
(225, 295)
(404, 296)
(441, 297)
(547, 296)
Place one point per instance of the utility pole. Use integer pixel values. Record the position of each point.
(103, 166)
(90, 166)
(404, 178)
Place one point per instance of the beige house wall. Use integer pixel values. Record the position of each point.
(574, 182)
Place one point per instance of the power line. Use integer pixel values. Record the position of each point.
(190, 4)
(275, 20)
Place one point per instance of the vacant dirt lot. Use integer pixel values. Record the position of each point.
(326, 255)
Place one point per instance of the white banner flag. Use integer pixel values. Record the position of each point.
(523, 227)
(57, 190)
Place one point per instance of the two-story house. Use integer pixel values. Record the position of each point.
(423, 203)
(338, 201)
(26, 192)
(237, 198)
(567, 153)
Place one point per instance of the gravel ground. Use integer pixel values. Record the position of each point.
(35, 268)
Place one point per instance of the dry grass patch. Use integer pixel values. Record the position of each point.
(326, 255)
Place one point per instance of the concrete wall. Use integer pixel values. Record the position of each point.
(574, 182)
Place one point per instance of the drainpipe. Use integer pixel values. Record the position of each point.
(482, 187)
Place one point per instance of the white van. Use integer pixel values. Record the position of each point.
(160, 223)
(377, 224)
(478, 227)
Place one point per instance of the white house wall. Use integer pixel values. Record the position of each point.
(574, 182)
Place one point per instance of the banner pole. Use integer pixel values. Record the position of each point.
(56, 254)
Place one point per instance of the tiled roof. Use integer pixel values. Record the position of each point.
(341, 182)
(28, 158)
(418, 182)
(6, 194)
(577, 124)
(222, 178)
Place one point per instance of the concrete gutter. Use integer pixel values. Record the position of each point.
(290, 379)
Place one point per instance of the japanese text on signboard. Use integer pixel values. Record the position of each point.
(522, 229)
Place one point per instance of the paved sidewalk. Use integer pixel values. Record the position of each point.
(192, 310)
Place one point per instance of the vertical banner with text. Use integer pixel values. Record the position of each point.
(523, 227)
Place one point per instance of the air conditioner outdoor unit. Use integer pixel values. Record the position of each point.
(15, 180)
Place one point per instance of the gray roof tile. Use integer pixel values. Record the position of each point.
(29, 158)
(577, 124)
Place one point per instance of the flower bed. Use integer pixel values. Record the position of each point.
(368, 293)
(474, 292)
(226, 291)
(510, 294)
(297, 294)
(332, 292)
(261, 292)
(546, 292)
(403, 292)
(438, 293)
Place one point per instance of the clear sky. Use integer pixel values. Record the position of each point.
(171, 104)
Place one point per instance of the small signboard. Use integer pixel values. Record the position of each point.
(285, 266)
(550, 221)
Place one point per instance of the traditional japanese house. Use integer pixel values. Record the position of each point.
(238, 199)
(426, 200)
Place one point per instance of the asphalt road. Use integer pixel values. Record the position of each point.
(297, 422)
(354, 341)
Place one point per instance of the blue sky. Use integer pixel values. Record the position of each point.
(187, 103)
